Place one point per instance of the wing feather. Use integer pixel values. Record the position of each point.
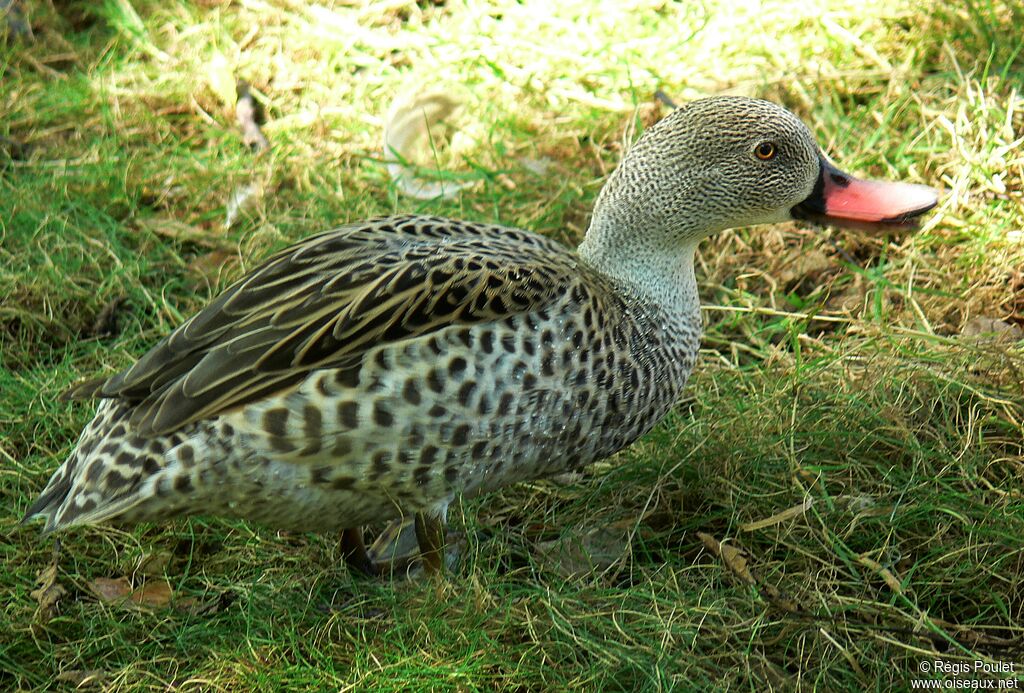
(325, 301)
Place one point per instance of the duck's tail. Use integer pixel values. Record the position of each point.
(109, 471)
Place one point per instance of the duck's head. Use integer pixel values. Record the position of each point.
(728, 161)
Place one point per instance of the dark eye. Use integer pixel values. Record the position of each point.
(765, 151)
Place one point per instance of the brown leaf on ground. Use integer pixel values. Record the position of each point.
(780, 599)
(734, 559)
(191, 605)
(584, 552)
(152, 594)
(110, 589)
(803, 265)
(48, 593)
(992, 329)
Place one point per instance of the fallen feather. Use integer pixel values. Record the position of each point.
(221, 78)
(249, 114)
(408, 125)
(539, 166)
(242, 198)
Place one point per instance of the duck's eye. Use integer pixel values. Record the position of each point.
(765, 151)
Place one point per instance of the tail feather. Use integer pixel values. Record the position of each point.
(109, 472)
(90, 389)
(48, 503)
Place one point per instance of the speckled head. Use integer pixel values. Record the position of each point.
(731, 161)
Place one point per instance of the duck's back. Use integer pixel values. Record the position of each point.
(376, 370)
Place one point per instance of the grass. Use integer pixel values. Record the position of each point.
(847, 428)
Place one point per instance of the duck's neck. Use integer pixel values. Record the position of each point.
(617, 248)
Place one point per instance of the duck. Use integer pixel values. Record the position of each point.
(377, 371)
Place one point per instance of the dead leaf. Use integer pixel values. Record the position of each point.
(153, 594)
(991, 329)
(406, 130)
(583, 552)
(803, 264)
(847, 301)
(48, 593)
(155, 564)
(110, 589)
(196, 607)
(734, 559)
(780, 599)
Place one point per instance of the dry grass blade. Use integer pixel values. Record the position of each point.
(779, 517)
(83, 679)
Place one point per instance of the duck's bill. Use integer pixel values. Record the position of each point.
(842, 200)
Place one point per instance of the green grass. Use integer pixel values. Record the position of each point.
(835, 382)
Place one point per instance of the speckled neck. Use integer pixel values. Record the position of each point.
(667, 278)
(640, 243)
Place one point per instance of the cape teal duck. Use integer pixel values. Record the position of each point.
(378, 370)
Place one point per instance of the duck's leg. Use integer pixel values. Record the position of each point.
(395, 547)
(392, 552)
(354, 552)
(431, 533)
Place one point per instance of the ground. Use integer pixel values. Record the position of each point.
(836, 503)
